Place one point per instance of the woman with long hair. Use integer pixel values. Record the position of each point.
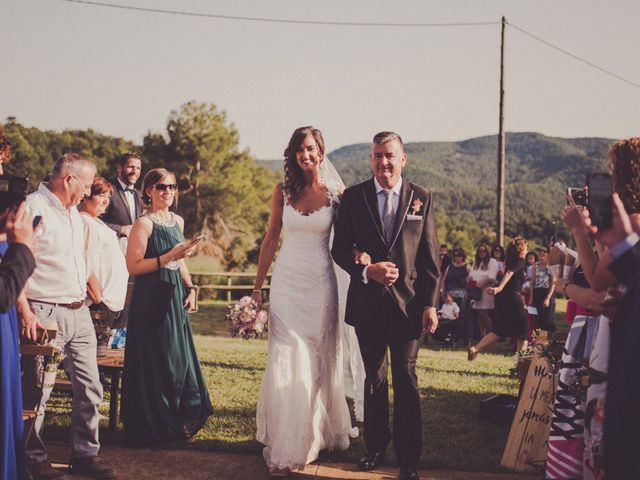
(483, 273)
(164, 395)
(511, 317)
(302, 408)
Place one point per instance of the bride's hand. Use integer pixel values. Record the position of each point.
(361, 258)
(256, 296)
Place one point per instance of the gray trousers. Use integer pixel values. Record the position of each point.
(77, 339)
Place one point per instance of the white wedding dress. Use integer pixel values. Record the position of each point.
(302, 408)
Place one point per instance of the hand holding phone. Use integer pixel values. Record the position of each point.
(198, 239)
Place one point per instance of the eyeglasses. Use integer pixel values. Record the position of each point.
(86, 187)
(163, 186)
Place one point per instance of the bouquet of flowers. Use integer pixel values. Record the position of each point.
(247, 319)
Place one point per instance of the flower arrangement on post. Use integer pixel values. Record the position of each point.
(247, 319)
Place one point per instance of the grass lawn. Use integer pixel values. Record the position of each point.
(451, 391)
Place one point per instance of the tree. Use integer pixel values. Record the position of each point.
(226, 195)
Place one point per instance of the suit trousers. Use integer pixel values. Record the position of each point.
(77, 339)
(389, 328)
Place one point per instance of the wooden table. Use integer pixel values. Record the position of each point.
(112, 364)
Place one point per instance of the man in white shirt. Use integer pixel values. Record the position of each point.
(56, 293)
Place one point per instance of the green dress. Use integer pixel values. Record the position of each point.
(164, 396)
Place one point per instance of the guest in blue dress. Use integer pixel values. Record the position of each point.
(11, 442)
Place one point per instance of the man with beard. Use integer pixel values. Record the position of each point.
(126, 202)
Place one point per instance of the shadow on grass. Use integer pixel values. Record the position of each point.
(230, 366)
(453, 438)
(465, 373)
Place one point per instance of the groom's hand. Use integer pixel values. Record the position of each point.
(429, 320)
(385, 273)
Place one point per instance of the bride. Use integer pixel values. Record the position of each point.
(302, 407)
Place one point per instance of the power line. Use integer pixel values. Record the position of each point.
(575, 57)
(278, 20)
(349, 24)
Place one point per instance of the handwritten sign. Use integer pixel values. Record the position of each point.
(528, 439)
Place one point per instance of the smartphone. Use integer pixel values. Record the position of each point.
(36, 221)
(198, 239)
(599, 200)
(579, 196)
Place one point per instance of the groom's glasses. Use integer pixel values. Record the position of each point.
(163, 186)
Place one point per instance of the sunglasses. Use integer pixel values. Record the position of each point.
(163, 186)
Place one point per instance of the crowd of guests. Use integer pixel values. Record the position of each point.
(595, 429)
(69, 248)
(73, 245)
(491, 293)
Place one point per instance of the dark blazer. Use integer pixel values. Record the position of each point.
(621, 420)
(15, 269)
(117, 213)
(414, 250)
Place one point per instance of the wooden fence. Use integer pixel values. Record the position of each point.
(226, 282)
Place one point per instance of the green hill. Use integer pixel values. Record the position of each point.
(463, 177)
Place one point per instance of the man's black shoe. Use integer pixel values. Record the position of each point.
(370, 461)
(409, 473)
(44, 471)
(92, 467)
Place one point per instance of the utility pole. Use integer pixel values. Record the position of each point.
(501, 146)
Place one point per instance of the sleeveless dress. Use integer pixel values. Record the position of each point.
(302, 408)
(164, 395)
(510, 319)
(11, 442)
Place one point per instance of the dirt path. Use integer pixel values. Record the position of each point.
(154, 464)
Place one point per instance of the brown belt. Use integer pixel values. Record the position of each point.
(70, 306)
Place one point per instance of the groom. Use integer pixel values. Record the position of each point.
(392, 301)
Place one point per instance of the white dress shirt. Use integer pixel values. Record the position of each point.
(395, 200)
(130, 196)
(106, 260)
(61, 269)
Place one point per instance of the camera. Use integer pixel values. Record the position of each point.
(13, 191)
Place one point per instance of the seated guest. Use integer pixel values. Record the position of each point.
(108, 275)
(450, 309)
(455, 276)
(16, 264)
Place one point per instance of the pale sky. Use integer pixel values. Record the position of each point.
(121, 72)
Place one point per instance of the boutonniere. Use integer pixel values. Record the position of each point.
(416, 206)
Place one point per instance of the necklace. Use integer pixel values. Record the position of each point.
(168, 222)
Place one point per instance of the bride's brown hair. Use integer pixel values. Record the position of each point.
(293, 178)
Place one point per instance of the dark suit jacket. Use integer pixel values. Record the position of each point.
(414, 250)
(118, 213)
(622, 418)
(16, 267)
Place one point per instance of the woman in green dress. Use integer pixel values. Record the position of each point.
(164, 396)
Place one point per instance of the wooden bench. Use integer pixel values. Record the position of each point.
(28, 419)
(112, 364)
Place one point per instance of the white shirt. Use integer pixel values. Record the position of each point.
(450, 310)
(395, 200)
(129, 195)
(61, 270)
(381, 198)
(486, 301)
(106, 260)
